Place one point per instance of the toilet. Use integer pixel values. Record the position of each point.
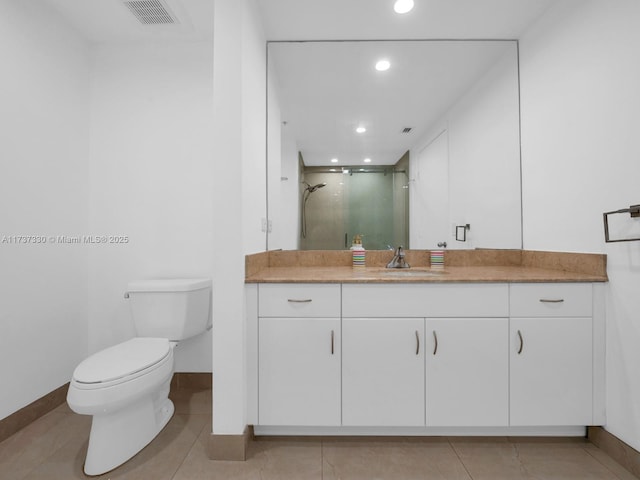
(126, 387)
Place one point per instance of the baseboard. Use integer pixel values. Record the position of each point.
(23, 417)
(339, 431)
(230, 447)
(622, 453)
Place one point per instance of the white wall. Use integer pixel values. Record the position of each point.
(275, 155)
(283, 175)
(151, 179)
(580, 124)
(239, 144)
(429, 194)
(484, 168)
(254, 113)
(289, 227)
(43, 170)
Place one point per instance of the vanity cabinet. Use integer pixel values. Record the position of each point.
(551, 354)
(467, 372)
(383, 372)
(461, 381)
(458, 358)
(299, 355)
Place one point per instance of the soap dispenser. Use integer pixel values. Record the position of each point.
(358, 252)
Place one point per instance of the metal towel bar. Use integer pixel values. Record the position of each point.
(633, 211)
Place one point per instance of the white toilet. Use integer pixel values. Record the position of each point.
(126, 387)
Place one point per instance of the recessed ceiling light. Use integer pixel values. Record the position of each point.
(403, 6)
(383, 65)
(334, 160)
(346, 172)
(367, 160)
(361, 129)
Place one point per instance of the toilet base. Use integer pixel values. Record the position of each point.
(117, 436)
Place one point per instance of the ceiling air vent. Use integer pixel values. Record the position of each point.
(151, 12)
(406, 129)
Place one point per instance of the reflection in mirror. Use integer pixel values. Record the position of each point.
(368, 201)
(429, 144)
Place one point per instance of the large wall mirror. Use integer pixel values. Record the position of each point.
(411, 142)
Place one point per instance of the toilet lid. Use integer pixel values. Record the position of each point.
(122, 360)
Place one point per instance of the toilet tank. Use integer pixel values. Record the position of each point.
(177, 308)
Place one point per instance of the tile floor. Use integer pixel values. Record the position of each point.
(54, 446)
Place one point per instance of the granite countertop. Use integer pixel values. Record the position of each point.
(460, 274)
(470, 266)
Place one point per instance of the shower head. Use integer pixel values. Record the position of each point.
(313, 188)
(309, 189)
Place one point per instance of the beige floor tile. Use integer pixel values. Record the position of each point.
(539, 461)
(65, 463)
(192, 401)
(25, 438)
(54, 448)
(366, 460)
(158, 461)
(23, 452)
(267, 460)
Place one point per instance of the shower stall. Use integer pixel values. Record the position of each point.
(338, 204)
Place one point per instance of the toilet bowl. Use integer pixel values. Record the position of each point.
(125, 387)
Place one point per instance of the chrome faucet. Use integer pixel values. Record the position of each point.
(398, 260)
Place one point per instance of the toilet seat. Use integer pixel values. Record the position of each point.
(122, 363)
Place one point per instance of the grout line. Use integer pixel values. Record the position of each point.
(322, 458)
(459, 459)
(197, 437)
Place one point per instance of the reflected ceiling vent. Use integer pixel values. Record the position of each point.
(151, 12)
(406, 129)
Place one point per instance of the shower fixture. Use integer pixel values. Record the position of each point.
(312, 189)
(309, 189)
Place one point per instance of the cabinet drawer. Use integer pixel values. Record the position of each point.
(299, 300)
(419, 300)
(551, 300)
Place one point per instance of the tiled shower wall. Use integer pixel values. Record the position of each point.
(371, 204)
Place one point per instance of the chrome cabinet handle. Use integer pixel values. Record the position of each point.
(552, 300)
(293, 300)
(435, 338)
(521, 342)
(417, 343)
(332, 342)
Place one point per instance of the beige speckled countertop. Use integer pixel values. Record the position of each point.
(490, 266)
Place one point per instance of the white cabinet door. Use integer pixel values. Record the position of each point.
(383, 372)
(467, 372)
(299, 371)
(551, 371)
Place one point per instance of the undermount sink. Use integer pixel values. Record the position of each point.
(406, 272)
